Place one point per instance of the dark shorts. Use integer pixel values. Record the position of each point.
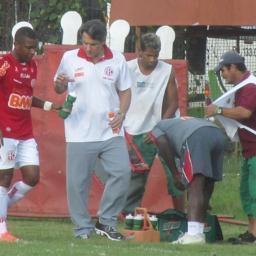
(202, 153)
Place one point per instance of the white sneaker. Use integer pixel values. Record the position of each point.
(190, 239)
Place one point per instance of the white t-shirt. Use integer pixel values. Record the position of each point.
(147, 97)
(96, 87)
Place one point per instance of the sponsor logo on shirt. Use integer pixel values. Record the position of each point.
(24, 75)
(3, 68)
(79, 74)
(20, 102)
(145, 84)
(141, 84)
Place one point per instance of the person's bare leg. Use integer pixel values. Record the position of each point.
(5, 181)
(179, 202)
(30, 177)
(209, 187)
(252, 225)
(197, 202)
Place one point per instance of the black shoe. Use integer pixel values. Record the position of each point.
(243, 238)
(233, 239)
(108, 231)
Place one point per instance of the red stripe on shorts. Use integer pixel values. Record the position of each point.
(188, 167)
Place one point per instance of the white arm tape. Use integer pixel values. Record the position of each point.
(47, 105)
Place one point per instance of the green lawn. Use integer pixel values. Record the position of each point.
(54, 237)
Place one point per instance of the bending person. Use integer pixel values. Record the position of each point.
(199, 146)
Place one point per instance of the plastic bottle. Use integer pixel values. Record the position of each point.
(111, 116)
(153, 219)
(129, 221)
(137, 222)
(68, 105)
(208, 100)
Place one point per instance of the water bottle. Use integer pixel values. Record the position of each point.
(208, 100)
(153, 219)
(111, 116)
(129, 221)
(67, 106)
(137, 222)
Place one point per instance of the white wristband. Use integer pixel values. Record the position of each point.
(47, 105)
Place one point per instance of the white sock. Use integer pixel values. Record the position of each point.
(194, 228)
(17, 192)
(201, 227)
(3, 209)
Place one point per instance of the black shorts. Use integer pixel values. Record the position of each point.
(202, 153)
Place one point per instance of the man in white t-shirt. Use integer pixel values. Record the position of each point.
(100, 80)
(154, 97)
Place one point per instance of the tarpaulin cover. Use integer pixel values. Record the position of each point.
(48, 198)
(184, 12)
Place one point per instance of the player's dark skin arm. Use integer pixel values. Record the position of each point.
(38, 103)
(170, 101)
(167, 153)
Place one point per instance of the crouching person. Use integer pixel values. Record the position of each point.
(199, 145)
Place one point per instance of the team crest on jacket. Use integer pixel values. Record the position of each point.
(108, 71)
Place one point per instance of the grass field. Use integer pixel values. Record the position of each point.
(44, 237)
(54, 237)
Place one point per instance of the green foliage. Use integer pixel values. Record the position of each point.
(226, 198)
(46, 16)
(196, 111)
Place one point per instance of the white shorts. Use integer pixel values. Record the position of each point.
(18, 153)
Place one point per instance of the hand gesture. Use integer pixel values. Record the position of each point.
(63, 80)
(210, 110)
(56, 106)
(115, 121)
(149, 138)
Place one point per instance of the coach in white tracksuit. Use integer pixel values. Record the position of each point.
(101, 81)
